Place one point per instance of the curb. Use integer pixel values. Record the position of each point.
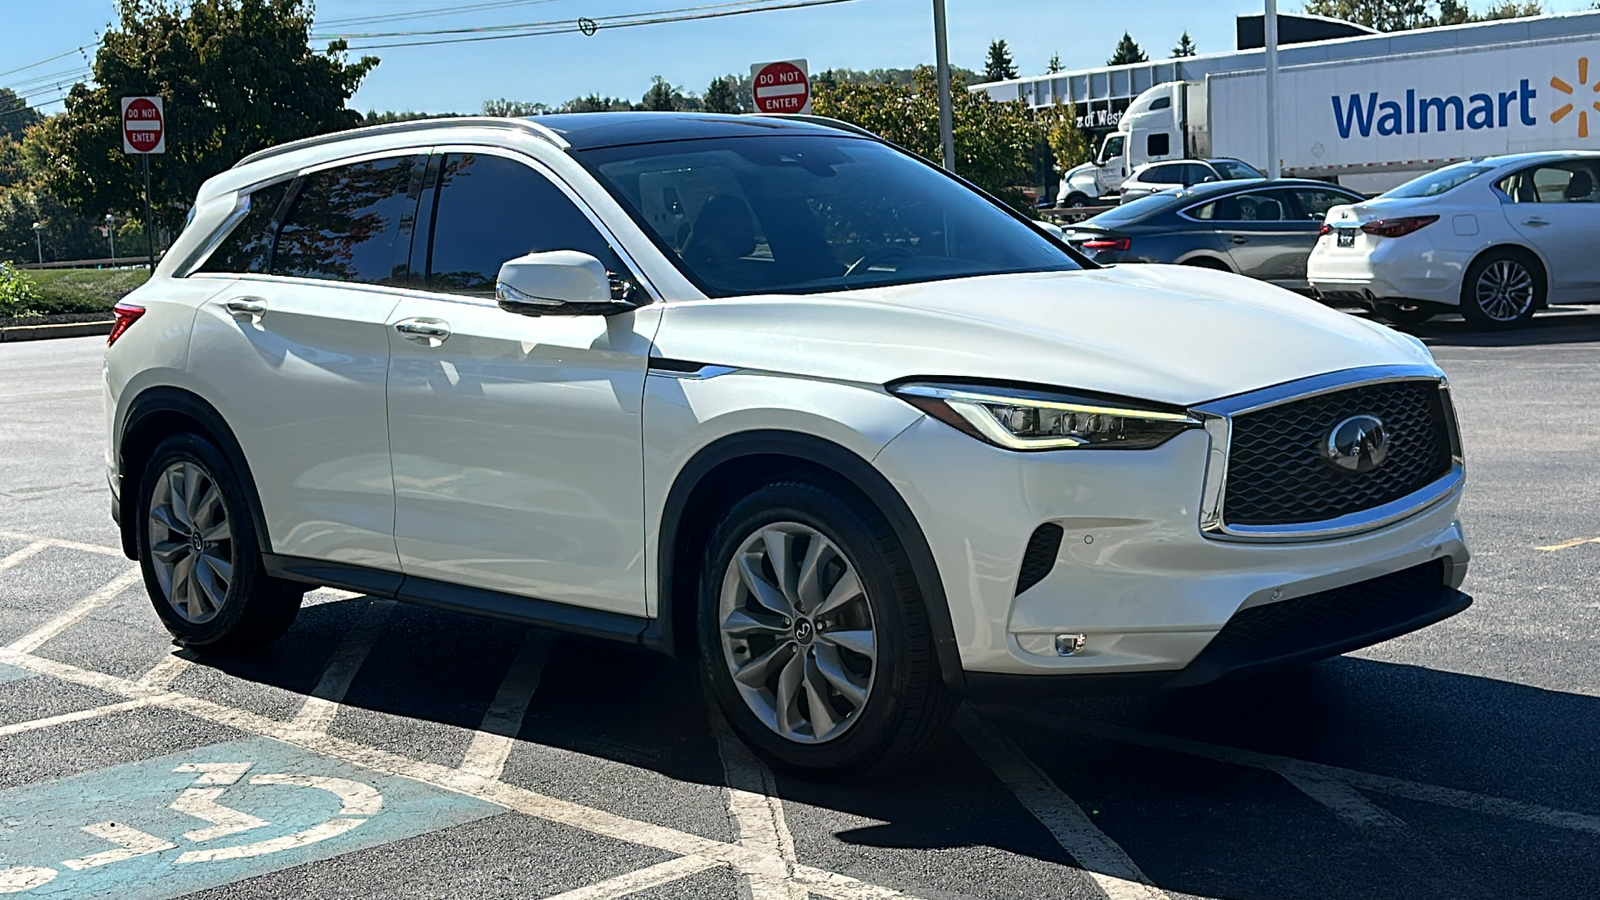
(45, 332)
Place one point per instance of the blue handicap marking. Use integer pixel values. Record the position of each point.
(204, 818)
(12, 673)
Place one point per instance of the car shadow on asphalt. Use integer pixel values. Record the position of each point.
(1563, 325)
(1146, 770)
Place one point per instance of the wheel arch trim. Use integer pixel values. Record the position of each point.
(164, 399)
(664, 632)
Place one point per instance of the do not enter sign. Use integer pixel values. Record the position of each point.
(144, 128)
(781, 87)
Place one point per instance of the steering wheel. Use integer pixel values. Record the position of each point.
(881, 254)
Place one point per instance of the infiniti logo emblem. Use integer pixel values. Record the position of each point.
(1358, 444)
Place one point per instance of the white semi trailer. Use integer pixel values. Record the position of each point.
(1369, 123)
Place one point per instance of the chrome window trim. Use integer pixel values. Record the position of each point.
(1218, 415)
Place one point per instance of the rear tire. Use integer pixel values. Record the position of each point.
(807, 594)
(200, 555)
(1502, 288)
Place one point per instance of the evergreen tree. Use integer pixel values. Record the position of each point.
(999, 66)
(1186, 46)
(722, 96)
(1127, 52)
(1054, 65)
(662, 96)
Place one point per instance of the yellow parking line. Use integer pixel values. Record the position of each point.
(1568, 545)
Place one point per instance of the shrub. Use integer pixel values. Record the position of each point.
(17, 294)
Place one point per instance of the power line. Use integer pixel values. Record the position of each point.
(589, 26)
(549, 23)
(431, 13)
(52, 59)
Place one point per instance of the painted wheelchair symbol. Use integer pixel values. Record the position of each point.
(357, 803)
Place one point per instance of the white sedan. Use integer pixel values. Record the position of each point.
(1497, 237)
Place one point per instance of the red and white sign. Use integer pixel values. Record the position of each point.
(144, 127)
(781, 87)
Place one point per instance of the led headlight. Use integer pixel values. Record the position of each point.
(1020, 419)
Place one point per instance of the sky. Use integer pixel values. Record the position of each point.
(858, 34)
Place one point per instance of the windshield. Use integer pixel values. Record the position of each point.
(1435, 183)
(1135, 210)
(802, 214)
(1232, 169)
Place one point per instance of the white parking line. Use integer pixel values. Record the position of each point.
(319, 709)
(1107, 865)
(36, 638)
(23, 554)
(164, 673)
(757, 812)
(491, 745)
(1367, 781)
(82, 715)
(641, 879)
(1345, 801)
(101, 549)
(522, 800)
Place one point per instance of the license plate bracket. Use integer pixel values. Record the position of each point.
(1347, 237)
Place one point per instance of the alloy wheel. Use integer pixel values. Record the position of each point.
(1505, 290)
(191, 543)
(797, 632)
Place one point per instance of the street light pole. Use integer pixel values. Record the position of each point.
(1274, 162)
(941, 48)
(38, 242)
(111, 234)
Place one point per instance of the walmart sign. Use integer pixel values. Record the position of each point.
(1364, 116)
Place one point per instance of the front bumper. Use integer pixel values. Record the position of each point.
(1134, 575)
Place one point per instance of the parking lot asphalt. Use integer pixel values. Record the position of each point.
(381, 750)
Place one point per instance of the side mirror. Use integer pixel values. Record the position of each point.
(557, 283)
(1208, 179)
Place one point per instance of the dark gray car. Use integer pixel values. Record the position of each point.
(1264, 229)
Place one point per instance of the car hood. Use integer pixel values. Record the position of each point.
(1171, 334)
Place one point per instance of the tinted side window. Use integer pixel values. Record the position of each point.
(350, 223)
(1315, 203)
(1573, 182)
(1265, 206)
(490, 209)
(1162, 175)
(1158, 144)
(1193, 174)
(249, 246)
(1161, 103)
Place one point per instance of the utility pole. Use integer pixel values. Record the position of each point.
(941, 47)
(1274, 165)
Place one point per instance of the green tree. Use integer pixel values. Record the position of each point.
(1185, 47)
(1054, 65)
(999, 66)
(389, 116)
(513, 108)
(722, 95)
(66, 234)
(595, 103)
(16, 116)
(1067, 142)
(662, 96)
(12, 170)
(1127, 52)
(1403, 15)
(995, 140)
(236, 75)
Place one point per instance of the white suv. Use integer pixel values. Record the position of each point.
(772, 393)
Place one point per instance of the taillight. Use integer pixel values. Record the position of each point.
(126, 314)
(1398, 227)
(1119, 244)
(1325, 229)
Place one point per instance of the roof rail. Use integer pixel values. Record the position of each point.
(524, 125)
(826, 122)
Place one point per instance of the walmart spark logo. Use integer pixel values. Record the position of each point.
(1566, 109)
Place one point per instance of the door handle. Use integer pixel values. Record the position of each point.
(426, 330)
(1239, 239)
(246, 306)
(1536, 222)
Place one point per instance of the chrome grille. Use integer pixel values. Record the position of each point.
(1277, 474)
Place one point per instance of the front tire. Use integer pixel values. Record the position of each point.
(1501, 289)
(200, 556)
(813, 634)
(1403, 313)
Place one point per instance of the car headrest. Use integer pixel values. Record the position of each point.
(1580, 187)
(724, 230)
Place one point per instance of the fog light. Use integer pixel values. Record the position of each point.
(1070, 644)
